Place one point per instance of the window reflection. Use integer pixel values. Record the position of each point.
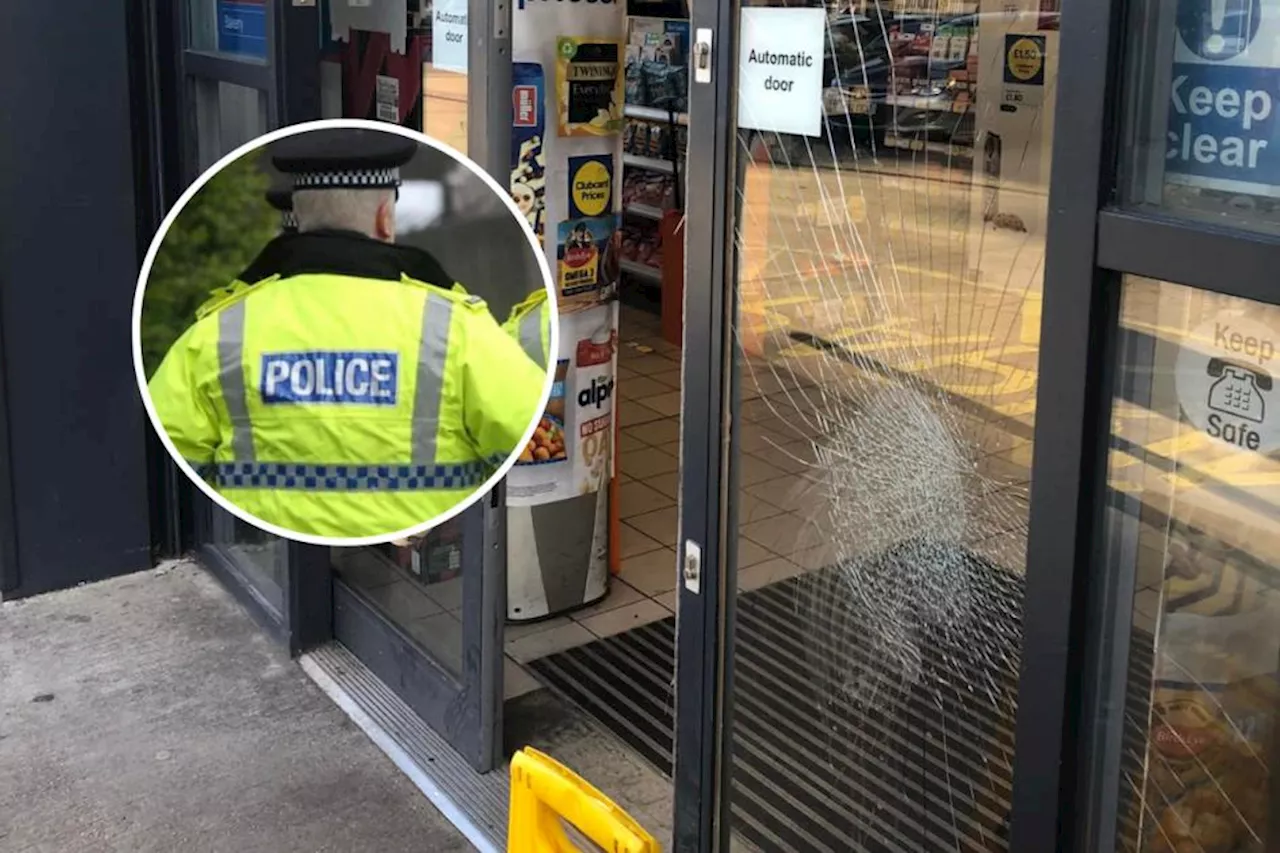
(1195, 526)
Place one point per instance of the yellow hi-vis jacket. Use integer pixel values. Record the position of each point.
(530, 324)
(343, 406)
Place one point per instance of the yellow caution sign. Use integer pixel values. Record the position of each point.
(544, 793)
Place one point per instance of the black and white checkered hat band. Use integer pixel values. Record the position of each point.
(288, 219)
(347, 179)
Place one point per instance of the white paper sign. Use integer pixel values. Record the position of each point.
(780, 70)
(449, 35)
(1226, 382)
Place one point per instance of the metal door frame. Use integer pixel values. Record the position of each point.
(1064, 760)
(465, 707)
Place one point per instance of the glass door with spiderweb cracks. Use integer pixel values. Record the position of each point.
(857, 594)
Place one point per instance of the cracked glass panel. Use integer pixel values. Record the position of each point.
(889, 276)
(1194, 552)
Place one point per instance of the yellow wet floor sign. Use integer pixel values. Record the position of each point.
(544, 793)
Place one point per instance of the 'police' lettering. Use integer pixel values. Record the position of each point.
(345, 378)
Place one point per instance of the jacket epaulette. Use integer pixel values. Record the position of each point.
(229, 295)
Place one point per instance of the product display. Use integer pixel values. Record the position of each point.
(528, 160)
(651, 189)
(589, 90)
(642, 244)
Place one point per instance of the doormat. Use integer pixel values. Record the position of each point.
(840, 744)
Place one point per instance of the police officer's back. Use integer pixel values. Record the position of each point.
(351, 391)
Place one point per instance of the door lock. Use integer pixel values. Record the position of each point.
(702, 56)
(692, 568)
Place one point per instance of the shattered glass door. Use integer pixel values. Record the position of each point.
(890, 233)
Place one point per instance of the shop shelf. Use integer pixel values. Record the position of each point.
(644, 211)
(640, 270)
(651, 163)
(653, 114)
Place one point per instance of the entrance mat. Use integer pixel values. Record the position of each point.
(860, 722)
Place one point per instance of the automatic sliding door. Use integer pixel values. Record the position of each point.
(888, 219)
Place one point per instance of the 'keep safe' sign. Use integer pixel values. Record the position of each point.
(1224, 95)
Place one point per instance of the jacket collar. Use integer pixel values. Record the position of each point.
(344, 253)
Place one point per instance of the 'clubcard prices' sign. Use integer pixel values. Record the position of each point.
(780, 70)
(1223, 131)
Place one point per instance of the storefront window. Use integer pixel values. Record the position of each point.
(1194, 533)
(262, 558)
(1202, 141)
(417, 585)
(236, 28)
(227, 115)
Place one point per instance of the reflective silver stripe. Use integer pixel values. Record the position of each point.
(433, 353)
(531, 337)
(231, 377)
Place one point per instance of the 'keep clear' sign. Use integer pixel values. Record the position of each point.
(1224, 95)
(780, 70)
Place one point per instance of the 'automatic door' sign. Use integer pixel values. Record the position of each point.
(1223, 97)
(1226, 382)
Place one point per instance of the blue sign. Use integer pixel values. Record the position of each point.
(350, 378)
(1223, 131)
(242, 28)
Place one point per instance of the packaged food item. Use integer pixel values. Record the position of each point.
(589, 86)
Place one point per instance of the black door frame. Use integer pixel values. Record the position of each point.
(464, 707)
(1065, 760)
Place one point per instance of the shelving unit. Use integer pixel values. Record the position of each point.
(652, 160)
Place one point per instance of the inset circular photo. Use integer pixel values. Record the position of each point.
(341, 332)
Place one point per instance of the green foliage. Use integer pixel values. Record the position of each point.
(212, 240)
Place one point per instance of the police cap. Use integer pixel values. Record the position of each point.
(343, 158)
(281, 199)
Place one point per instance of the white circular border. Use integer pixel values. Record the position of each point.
(136, 331)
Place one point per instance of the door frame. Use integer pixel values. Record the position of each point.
(465, 707)
(1066, 751)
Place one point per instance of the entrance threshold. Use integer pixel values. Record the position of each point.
(475, 803)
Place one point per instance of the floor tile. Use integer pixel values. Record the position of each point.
(818, 557)
(749, 553)
(783, 534)
(646, 463)
(649, 364)
(632, 542)
(667, 484)
(630, 441)
(516, 680)
(631, 413)
(620, 594)
(667, 377)
(653, 572)
(655, 433)
(666, 403)
(545, 643)
(660, 525)
(625, 618)
(763, 574)
(625, 372)
(636, 498)
(516, 630)
(752, 508)
(783, 491)
(639, 387)
(752, 469)
(669, 600)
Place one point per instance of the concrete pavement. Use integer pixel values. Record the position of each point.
(149, 713)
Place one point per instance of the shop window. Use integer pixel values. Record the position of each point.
(1202, 136)
(230, 27)
(227, 115)
(1194, 535)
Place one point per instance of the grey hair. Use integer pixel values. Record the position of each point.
(345, 209)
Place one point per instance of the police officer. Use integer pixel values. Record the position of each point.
(282, 200)
(530, 324)
(354, 390)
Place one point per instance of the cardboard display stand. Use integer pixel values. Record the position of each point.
(565, 153)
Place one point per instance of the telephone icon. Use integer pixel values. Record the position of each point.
(1238, 390)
